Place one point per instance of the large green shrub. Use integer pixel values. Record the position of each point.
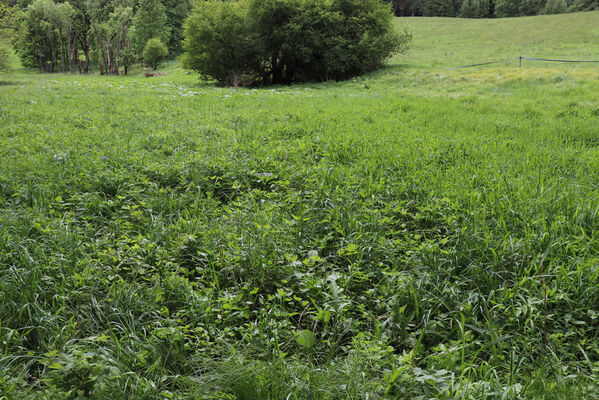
(154, 52)
(221, 44)
(282, 41)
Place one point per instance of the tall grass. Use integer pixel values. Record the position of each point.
(409, 234)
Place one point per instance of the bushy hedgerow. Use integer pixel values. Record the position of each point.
(248, 42)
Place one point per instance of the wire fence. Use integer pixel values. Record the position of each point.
(519, 59)
(564, 61)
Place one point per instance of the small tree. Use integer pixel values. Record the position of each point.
(150, 22)
(154, 52)
(127, 59)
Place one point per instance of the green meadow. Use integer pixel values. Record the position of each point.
(415, 233)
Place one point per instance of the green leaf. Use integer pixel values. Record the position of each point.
(305, 338)
(55, 365)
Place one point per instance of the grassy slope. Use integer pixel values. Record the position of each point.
(160, 237)
(448, 42)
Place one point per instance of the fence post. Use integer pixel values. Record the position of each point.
(520, 62)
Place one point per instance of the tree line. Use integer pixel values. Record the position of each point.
(73, 35)
(111, 35)
(489, 8)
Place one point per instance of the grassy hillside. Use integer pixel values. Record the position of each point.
(449, 42)
(414, 233)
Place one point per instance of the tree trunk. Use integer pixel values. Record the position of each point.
(109, 65)
(62, 50)
(53, 60)
(86, 51)
(73, 51)
(85, 45)
(69, 49)
(40, 63)
(75, 56)
(116, 60)
(276, 71)
(102, 63)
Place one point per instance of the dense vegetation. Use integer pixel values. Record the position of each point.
(414, 233)
(247, 42)
(110, 35)
(6, 26)
(59, 36)
(489, 8)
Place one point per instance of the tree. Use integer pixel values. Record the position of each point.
(127, 59)
(440, 8)
(110, 27)
(150, 22)
(176, 13)
(584, 5)
(154, 52)
(365, 38)
(81, 25)
(7, 18)
(507, 8)
(555, 7)
(283, 41)
(119, 25)
(531, 7)
(475, 9)
(46, 38)
(220, 43)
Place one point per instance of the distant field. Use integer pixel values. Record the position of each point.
(414, 233)
(449, 42)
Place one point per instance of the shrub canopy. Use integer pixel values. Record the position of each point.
(249, 42)
(154, 52)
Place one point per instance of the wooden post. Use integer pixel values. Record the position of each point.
(520, 62)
